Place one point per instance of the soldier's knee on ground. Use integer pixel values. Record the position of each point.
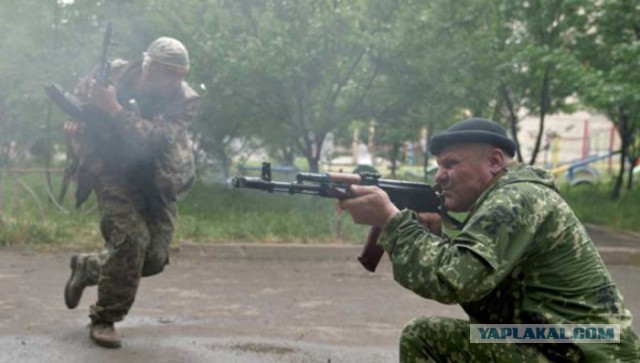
(410, 330)
(419, 329)
(429, 339)
(415, 336)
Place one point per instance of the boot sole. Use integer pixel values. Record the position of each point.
(106, 344)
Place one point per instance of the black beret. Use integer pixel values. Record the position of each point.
(473, 130)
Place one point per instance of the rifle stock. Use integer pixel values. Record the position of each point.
(419, 197)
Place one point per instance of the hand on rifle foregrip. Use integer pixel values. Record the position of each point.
(104, 97)
(368, 198)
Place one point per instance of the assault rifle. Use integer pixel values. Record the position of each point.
(99, 131)
(70, 104)
(419, 197)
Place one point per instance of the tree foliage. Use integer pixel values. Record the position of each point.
(609, 49)
(281, 75)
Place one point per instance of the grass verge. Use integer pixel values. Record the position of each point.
(219, 214)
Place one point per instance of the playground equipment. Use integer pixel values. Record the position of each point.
(580, 172)
(583, 170)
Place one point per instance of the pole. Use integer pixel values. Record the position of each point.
(612, 135)
(585, 140)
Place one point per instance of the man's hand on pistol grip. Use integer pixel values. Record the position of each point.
(370, 206)
(431, 221)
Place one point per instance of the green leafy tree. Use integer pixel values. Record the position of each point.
(58, 42)
(608, 42)
(422, 81)
(296, 70)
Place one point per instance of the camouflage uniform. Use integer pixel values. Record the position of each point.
(522, 257)
(138, 176)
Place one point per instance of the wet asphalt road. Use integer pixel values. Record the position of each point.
(210, 310)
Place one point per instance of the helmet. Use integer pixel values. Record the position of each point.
(168, 51)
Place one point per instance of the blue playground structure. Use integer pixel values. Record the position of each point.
(580, 172)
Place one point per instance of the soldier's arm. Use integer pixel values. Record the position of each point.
(162, 129)
(465, 268)
(147, 134)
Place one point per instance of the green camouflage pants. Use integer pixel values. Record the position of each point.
(137, 228)
(433, 339)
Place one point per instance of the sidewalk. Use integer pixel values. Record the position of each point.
(239, 303)
(616, 248)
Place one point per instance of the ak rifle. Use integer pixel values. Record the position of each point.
(419, 197)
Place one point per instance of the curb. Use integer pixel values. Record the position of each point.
(620, 256)
(605, 236)
(256, 251)
(333, 252)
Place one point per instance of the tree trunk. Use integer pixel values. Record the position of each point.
(394, 158)
(1, 191)
(617, 186)
(226, 166)
(425, 164)
(513, 119)
(544, 105)
(632, 163)
(313, 165)
(306, 149)
(225, 160)
(625, 141)
(288, 156)
(314, 150)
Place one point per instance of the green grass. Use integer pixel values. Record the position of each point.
(593, 204)
(219, 214)
(211, 213)
(27, 217)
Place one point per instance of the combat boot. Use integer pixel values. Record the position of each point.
(76, 284)
(104, 334)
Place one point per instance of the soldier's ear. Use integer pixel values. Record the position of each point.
(497, 160)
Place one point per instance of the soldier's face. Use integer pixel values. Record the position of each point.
(161, 80)
(465, 171)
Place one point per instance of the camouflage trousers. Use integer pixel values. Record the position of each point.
(137, 228)
(434, 339)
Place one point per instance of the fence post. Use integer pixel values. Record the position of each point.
(612, 137)
(1, 192)
(585, 140)
(555, 151)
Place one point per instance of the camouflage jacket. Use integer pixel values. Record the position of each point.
(151, 146)
(522, 257)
